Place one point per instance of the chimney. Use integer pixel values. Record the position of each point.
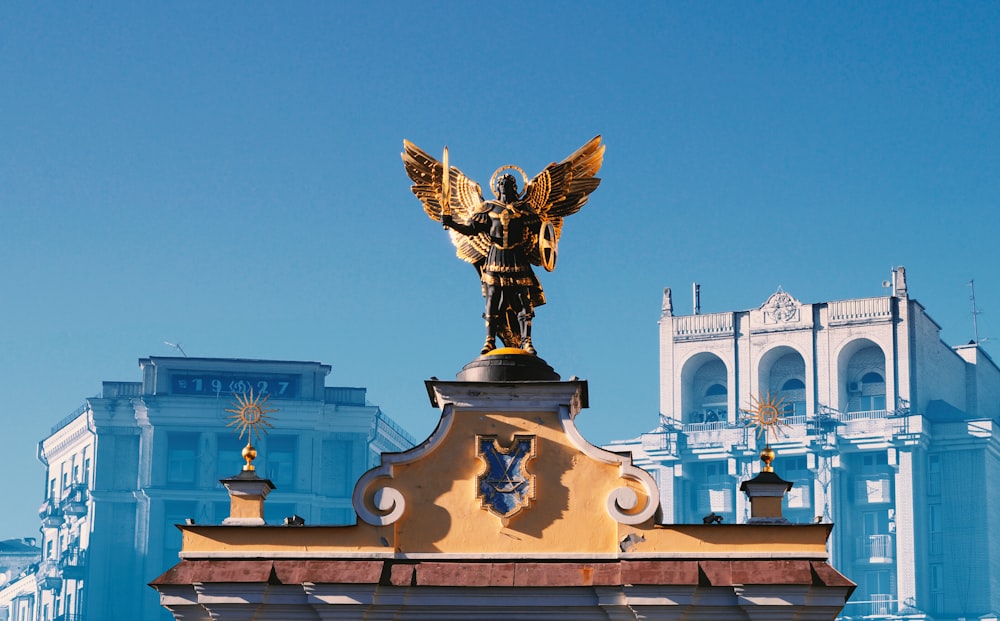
(765, 492)
(899, 282)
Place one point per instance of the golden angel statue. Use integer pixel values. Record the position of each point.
(504, 237)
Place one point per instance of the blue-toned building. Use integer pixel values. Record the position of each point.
(888, 432)
(128, 465)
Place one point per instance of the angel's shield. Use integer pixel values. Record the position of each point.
(505, 486)
(548, 245)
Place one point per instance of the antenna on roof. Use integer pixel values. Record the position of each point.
(975, 313)
(176, 346)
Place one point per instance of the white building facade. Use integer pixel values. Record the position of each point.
(887, 432)
(127, 466)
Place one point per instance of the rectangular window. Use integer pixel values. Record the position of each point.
(937, 576)
(799, 497)
(221, 510)
(794, 408)
(182, 451)
(873, 491)
(175, 512)
(876, 522)
(868, 403)
(336, 477)
(52, 488)
(934, 475)
(281, 456)
(716, 492)
(935, 538)
(229, 459)
(874, 463)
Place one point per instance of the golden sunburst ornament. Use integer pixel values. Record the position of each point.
(250, 414)
(766, 413)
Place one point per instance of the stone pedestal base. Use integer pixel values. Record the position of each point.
(507, 365)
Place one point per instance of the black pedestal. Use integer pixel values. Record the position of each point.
(507, 367)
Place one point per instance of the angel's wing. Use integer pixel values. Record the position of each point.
(466, 198)
(425, 171)
(562, 189)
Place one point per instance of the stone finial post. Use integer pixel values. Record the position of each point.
(247, 492)
(765, 492)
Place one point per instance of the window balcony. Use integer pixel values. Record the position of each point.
(75, 501)
(876, 549)
(73, 564)
(49, 577)
(51, 516)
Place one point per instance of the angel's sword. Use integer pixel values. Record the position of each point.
(445, 185)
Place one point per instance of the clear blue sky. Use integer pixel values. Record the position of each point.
(227, 176)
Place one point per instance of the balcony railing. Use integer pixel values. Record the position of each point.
(847, 417)
(867, 308)
(659, 442)
(879, 605)
(72, 563)
(345, 395)
(882, 604)
(876, 548)
(70, 418)
(699, 427)
(118, 390)
(695, 325)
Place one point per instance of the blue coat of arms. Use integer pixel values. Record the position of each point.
(505, 487)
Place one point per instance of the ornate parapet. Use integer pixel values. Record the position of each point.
(506, 455)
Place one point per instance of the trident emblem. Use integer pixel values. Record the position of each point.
(505, 487)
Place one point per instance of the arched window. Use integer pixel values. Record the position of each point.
(714, 408)
(716, 390)
(872, 388)
(793, 395)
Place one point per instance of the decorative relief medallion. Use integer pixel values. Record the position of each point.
(780, 308)
(505, 487)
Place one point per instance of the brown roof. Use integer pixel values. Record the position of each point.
(516, 573)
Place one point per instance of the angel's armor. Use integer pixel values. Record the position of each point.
(509, 284)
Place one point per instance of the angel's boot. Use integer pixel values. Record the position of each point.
(525, 321)
(491, 338)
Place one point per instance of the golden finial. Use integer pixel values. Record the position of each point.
(767, 456)
(249, 415)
